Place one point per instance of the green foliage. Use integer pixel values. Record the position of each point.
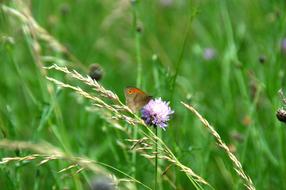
(235, 92)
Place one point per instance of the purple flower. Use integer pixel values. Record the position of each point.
(283, 46)
(166, 3)
(209, 54)
(157, 113)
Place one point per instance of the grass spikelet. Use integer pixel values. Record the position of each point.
(52, 52)
(46, 153)
(119, 111)
(33, 29)
(237, 165)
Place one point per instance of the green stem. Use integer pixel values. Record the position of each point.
(137, 37)
(138, 55)
(182, 52)
(156, 159)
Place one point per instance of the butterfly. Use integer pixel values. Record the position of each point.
(136, 98)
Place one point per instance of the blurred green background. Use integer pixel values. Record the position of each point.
(222, 56)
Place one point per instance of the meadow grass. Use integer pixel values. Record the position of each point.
(59, 129)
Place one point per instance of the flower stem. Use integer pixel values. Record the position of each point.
(137, 37)
(156, 159)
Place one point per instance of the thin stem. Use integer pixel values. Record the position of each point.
(237, 165)
(150, 134)
(139, 71)
(138, 52)
(156, 159)
(182, 52)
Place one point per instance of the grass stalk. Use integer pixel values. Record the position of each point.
(137, 36)
(116, 110)
(237, 165)
(156, 159)
(46, 153)
(182, 52)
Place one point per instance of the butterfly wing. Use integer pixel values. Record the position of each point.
(141, 101)
(129, 98)
(136, 98)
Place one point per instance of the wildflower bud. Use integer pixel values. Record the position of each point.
(281, 115)
(138, 29)
(65, 9)
(262, 59)
(95, 72)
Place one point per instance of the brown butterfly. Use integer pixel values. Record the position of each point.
(136, 98)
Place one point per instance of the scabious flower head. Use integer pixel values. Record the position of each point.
(156, 113)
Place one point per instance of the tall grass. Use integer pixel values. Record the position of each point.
(59, 129)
